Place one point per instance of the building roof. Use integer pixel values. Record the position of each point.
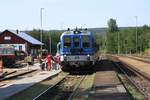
(26, 37)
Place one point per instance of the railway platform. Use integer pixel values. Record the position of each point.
(21, 84)
(106, 85)
(136, 64)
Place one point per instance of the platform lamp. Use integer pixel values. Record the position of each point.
(41, 9)
(136, 34)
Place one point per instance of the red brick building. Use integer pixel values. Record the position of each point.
(21, 41)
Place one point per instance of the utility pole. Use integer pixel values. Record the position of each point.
(50, 44)
(126, 47)
(136, 18)
(118, 43)
(41, 9)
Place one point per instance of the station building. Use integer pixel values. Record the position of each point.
(21, 41)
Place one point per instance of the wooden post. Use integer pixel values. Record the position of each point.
(1, 65)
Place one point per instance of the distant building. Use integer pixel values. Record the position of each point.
(21, 41)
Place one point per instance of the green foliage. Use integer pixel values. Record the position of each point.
(99, 41)
(55, 37)
(46, 36)
(35, 33)
(125, 40)
(112, 25)
(112, 36)
(117, 40)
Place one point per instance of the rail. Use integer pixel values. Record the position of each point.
(75, 90)
(69, 93)
(42, 93)
(137, 73)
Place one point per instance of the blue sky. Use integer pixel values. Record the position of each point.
(61, 14)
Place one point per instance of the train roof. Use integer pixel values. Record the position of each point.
(77, 32)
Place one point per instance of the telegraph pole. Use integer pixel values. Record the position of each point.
(41, 9)
(136, 18)
(118, 43)
(50, 42)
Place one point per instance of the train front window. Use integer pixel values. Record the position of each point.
(7, 51)
(76, 41)
(67, 42)
(86, 41)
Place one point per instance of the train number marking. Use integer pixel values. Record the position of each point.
(76, 57)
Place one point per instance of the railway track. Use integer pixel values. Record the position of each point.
(64, 89)
(140, 80)
(106, 85)
(142, 56)
(139, 58)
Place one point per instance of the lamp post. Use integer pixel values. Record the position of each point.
(118, 43)
(136, 33)
(41, 9)
(50, 42)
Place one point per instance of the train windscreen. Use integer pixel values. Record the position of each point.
(86, 41)
(76, 41)
(67, 42)
(6, 51)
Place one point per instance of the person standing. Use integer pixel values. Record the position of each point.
(49, 59)
(29, 60)
(57, 61)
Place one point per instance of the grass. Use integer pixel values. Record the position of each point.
(136, 95)
(85, 87)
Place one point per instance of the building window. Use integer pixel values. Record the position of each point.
(7, 38)
(20, 48)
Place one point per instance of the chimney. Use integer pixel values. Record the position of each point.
(17, 31)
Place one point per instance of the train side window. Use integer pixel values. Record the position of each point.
(86, 41)
(1, 51)
(67, 42)
(10, 51)
(20, 48)
(4, 51)
(76, 41)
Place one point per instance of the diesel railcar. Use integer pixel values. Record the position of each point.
(76, 50)
(7, 53)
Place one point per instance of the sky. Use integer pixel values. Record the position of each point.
(63, 14)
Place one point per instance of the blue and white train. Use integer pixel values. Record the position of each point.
(76, 50)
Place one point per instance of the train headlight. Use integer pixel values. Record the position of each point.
(88, 57)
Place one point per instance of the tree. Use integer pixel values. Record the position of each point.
(112, 25)
(145, 27)
(112, 36)
(46, 36)
(35, 33)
